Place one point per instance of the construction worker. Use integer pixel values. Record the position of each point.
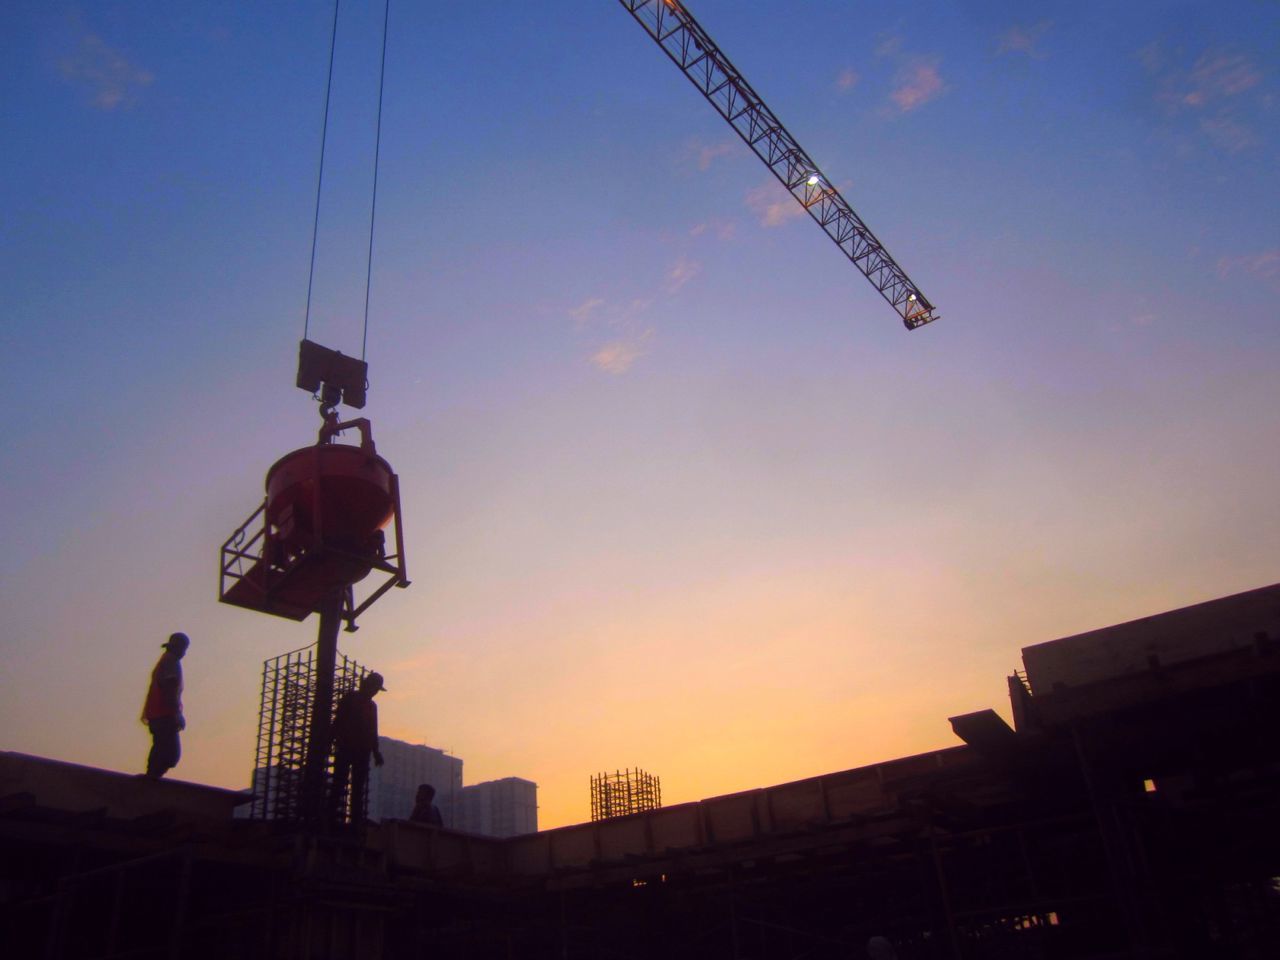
(355, 739)
(425, 810)
(162, 710)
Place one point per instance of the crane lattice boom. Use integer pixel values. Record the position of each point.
(697, 55)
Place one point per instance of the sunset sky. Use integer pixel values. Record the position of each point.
(680, 491)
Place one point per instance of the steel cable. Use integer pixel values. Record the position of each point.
(324, 133)
(377, 149)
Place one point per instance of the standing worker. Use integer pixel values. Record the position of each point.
(355, 738)
(425, 810)
(162, 711)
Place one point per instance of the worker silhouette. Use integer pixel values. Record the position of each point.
(162, 710)
(425, 810)
(355, 739)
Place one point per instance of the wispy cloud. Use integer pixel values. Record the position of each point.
(721, 229)
(1213, 90)
(847, 79)
(1024, 40)
(1217, 75)
(681, 272)
(623, 324)
(703, 155)
(917, 84)
(917, 79)
(889, 45)
(1263, 265)
(708, 154)
(583, 311)
(597, 313)
(773, 204)
(1231, 135)
(109, 78)
(617, 357)
(1152, 57)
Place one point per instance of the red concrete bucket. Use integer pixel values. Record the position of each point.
(339, 492)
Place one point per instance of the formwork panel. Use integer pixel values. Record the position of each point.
(675, 828)
(922, 765)
(405, 845)
(623, 837)
(529, 855)
(856, 793)
(460, 854)
(794, 806)
(439, 852)
(573, 846)
(732, 818)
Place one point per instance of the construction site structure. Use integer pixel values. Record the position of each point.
(285, 720)
(322, 526)
(624, 792)
(1129, 812)
(319, 531)
(690, 48)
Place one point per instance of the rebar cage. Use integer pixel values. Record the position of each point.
(284, 728)
(624, 791)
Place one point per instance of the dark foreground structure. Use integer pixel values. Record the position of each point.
(1132, 811)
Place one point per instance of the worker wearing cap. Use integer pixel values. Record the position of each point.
(355, 739)
(162, 710)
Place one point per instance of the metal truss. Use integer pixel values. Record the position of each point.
(696, 54)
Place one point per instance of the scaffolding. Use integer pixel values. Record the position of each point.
(284, 728)
(624, 791)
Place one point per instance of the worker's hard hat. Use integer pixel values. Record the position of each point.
(177, 640)
(373, 681)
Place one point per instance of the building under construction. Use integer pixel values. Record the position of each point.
(1130, 811)
(285, 721)
(624, 792)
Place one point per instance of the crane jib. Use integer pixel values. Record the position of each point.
(683, 40)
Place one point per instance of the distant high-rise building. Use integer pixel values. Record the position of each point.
(498, 808)
(393, 786)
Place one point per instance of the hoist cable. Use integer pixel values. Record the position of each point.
(377, 149)
(324, 133)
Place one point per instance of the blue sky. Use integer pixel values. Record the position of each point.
(665, 453)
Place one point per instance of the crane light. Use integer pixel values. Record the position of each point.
(912, 298)
(813, 180)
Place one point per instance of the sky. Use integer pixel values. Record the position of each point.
(680, 491)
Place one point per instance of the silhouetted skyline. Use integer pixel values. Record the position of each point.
(673, 474)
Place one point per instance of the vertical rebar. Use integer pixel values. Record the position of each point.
(318, 741)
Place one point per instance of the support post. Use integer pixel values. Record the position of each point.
(180, 912)
(313, 781)
(944, 892)
(1124, 882)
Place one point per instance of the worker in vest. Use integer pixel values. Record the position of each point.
(162, 711)
(355, 739)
